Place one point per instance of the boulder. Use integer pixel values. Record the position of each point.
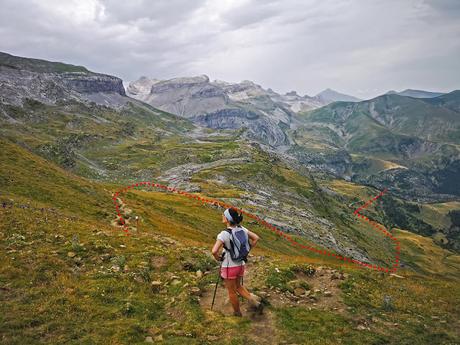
(299, 291)
(195, 291)
(156, 285)
(175, 282)
(335, 275)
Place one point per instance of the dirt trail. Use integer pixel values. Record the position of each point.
(263, 328)
(323, 294)
(317, 288)
(127, 217)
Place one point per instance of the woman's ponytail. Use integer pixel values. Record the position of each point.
(240, 218)
(237, 217)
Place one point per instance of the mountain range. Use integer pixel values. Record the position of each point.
(71, 138)
(416, 93)
(329, 96)
(416, 136)
(220, 104)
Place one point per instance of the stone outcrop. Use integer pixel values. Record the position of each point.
(50, 82)
(92, 83)
(219, 105)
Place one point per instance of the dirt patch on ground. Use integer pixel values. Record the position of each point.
(323, 293)
(263, 328)
(320, 291)
(158, 262)
(127, 221)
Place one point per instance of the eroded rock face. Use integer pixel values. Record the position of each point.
(92, 83)
(141, 87)
(186, 97)
(337, 163)
(259, 127)
(219, 105)
(50, 82)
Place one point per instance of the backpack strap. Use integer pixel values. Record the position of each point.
(232, 241)
(232, 249)
(230, 232)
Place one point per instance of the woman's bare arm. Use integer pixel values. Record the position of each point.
(216, 249)
(253, 238)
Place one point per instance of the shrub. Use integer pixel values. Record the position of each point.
(305, 269)
(280, 278)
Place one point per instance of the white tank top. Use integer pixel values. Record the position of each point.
(225, 237)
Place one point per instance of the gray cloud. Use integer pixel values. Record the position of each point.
(156, 12)
(355, 46)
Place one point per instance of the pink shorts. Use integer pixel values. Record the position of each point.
(232, 272)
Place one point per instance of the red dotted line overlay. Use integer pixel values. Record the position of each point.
(116, 198)
(381, 228)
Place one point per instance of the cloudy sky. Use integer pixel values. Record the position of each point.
(360, 47)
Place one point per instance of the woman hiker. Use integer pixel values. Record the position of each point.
(232, 270)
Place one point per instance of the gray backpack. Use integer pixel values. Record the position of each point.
(239, 244)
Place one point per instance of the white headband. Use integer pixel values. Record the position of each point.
(228, 215)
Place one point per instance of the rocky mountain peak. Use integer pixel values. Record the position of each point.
(189, 80)
(328, 96)
(218, 104)
(48, 82)
(142, 86)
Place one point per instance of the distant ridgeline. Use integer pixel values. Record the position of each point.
(202, 135)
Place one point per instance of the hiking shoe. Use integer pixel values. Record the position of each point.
(257, 308)
(237, 313)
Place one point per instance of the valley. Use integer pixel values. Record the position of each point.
(71, 138)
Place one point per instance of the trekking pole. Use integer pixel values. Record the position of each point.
(218, 280)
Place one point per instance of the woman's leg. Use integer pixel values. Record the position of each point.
(231, 287)
(243, 292)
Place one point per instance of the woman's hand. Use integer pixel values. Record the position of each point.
(216, 248)
(253, 238)
(217, 257)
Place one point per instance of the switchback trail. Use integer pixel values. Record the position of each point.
(119, 203)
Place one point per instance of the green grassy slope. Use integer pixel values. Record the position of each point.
(450, 100)
(418, 137)
(390, 127)
(68, 276)
(67, 133)
(399, 115)
(32, 178)
(141, 143)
